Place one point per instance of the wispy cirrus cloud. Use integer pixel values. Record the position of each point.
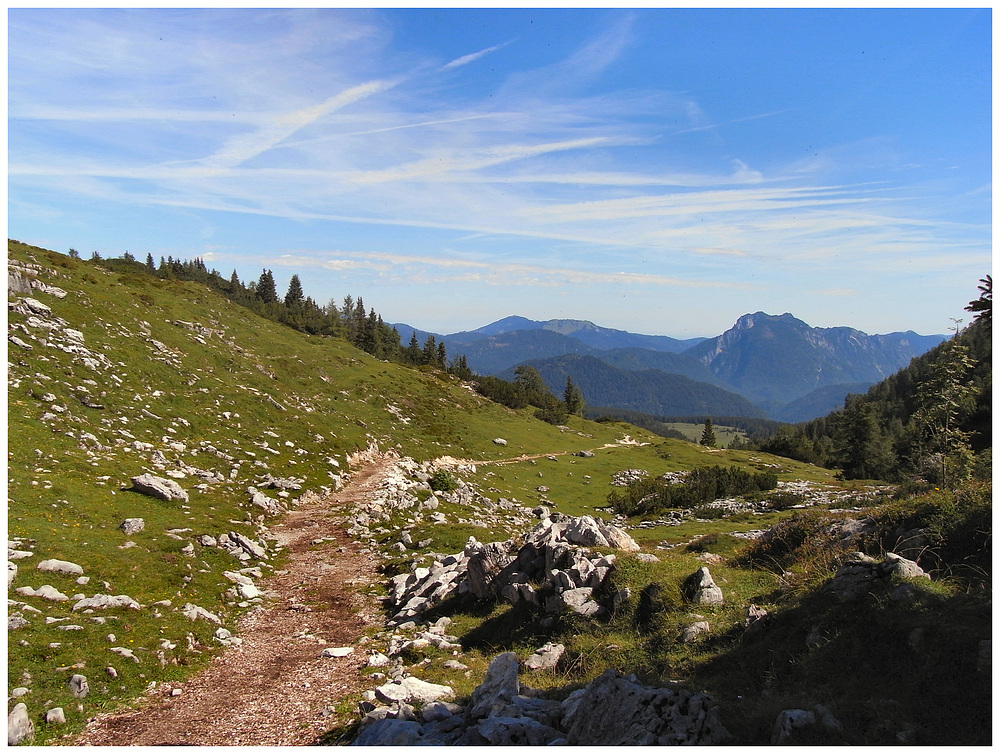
(601, 162)
(244, 147)
(472, 57)
(444, 269)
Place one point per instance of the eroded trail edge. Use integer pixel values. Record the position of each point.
(276, 689)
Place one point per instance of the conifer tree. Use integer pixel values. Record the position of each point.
(294, 296)
(266, 290)
(429, 355)
(413, 350)
(708, 435)
(150, 265)
(573, 398)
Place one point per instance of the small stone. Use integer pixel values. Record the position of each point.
(55, 716)
(546, 657)
(337, 652)
(78, 686)
(132, 525)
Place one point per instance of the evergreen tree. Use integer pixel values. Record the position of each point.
(266, 290)
(862, 449)
(150, 264)
(573, 398)
(460, 368)
(74, 254)
(294, 297)
(413, 353)
(944, 398)
(530, 381)
(708, 435)
(442, 356)
(983, 306)
(429, 354)
(128, 257)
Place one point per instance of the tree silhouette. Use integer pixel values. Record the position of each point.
(708, 435)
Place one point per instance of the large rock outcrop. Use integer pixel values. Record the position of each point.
(553, 570)
(612, 710)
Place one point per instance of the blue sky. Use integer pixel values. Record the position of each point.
(655, 170)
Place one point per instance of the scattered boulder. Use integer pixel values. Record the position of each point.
(159, 487)
(756, 619)
(194, 612)
(46, 592)
(701, 589)
(390, 732)
(498, 689)
(103, 601)
(78, 685)
(19, 725)
(500, 441)
(55, 716)
(615, 710)
(125, 652)
(693, 630)
(132, 525)
(546, 657)
(337, 652)
(817, 726)
(516, 731)
(60, 566)
(412, 689)
(860, 573)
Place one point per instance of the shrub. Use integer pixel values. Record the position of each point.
(957, 526)
(443, 481)
(802, 538)
(701, 486)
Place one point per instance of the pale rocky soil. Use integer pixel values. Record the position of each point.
(275, 689)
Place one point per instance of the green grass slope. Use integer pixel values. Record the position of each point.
(128, 374)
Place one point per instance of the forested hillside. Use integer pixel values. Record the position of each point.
(649, 391)
(932, 419)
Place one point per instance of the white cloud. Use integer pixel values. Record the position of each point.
(242, 148)
(466, 59)
(489, 272)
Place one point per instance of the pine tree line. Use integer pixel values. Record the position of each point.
(363, 328)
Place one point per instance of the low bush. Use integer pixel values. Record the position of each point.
(702, 485)
(442, 481)
(955, 528)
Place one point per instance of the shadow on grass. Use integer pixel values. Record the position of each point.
(891, 672)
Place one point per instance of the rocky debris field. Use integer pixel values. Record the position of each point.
(612, 710)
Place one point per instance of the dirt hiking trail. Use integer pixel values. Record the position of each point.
(275, 689)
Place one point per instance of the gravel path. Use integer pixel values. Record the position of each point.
(275, 689)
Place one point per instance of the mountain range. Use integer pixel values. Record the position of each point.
(765, 365)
